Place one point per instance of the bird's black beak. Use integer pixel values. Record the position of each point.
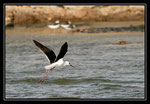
(71, 65)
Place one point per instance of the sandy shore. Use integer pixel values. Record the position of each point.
(30, 15)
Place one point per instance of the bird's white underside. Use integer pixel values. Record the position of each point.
(53, 26)
(65, 26)
(59, 63)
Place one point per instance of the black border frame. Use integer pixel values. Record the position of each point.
(81, 99)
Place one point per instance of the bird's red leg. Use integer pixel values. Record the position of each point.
(44, 75)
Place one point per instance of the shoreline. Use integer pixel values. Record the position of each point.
(98, 28)
(44, 33)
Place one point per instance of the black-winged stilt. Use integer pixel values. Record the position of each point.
(55, 25)
(50, 55)
(68, 25)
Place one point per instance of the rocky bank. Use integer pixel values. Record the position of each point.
(32, 14)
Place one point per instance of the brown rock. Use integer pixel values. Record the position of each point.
(121, 42)
(27, 15)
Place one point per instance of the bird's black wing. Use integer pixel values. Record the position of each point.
(62, 52)
(50, 55)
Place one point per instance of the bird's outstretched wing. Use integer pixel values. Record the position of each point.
(62, 52)
(50, 55)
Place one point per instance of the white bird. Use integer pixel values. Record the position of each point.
(50, 55)
(68, 25)
(55, 25)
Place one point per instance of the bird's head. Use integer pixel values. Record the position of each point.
(67, 63)
(68, 22)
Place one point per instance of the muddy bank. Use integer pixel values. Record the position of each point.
(98, 28)
(30, 15)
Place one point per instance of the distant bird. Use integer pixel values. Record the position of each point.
(50, 55)
(68, 25)
(55, 25)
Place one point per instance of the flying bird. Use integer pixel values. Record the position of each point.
(51, 57)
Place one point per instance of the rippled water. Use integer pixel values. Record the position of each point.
(102, 69)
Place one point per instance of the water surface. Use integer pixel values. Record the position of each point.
(102, 69)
